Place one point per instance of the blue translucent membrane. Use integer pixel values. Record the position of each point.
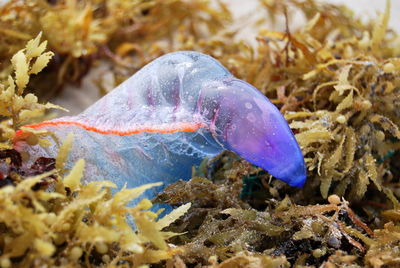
(181, 87)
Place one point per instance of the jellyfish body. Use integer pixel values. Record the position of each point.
(168, 117)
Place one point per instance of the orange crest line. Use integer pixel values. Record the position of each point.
(177, 127)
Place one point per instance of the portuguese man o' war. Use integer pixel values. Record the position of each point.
(169, 116)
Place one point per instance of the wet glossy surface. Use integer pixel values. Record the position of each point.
(170, 115)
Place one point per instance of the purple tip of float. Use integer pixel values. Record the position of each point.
(296, 176)
(258, 132)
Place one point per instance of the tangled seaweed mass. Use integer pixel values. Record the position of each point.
(336, 81)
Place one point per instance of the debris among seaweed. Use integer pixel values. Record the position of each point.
(336, 80)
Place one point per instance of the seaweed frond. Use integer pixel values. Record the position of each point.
(17, 107)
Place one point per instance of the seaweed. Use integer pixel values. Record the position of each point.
(337, 85)
(48, 217)
(128, 34)
(337, 90)
(79, 224)
(220, 226)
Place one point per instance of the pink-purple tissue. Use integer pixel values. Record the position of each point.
(169, 116)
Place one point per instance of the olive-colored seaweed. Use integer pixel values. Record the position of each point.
(82, 32)
(48, 218)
